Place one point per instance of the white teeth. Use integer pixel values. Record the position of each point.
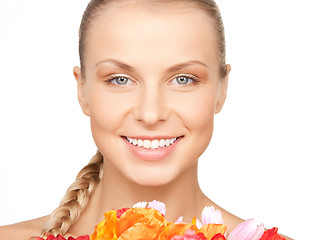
(140, 143)
(147, 144)
(154, 144)
(162, 143)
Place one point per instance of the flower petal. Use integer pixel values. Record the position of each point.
(189, 235)
(244, 231)
(146, 216)
(107, 228)
(210, 230)
(210, 215)
(219, 236)
(119, 212)
(271, 234)
(176, 229)
(159, 206)
(148, 229)
(198, 224)
(259, 232)
(140, 205)
(179, 220)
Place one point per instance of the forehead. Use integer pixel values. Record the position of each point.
(159, 34)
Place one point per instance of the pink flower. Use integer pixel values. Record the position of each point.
(189, 235)
(247, 230)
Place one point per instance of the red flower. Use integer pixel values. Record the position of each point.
(59, 237)
(271, 234)
(201, 236)
(219, 236)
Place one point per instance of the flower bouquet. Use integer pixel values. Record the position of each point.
(146, 221)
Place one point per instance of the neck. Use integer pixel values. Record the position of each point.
(182, 197)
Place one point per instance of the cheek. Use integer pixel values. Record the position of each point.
(196, 110)
(197, 114)
(107, 111)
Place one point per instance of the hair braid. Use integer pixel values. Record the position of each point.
(75, 198)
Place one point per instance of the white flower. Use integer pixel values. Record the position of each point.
(210, 215)
(157, 205)
(179, 220)
(140, 205)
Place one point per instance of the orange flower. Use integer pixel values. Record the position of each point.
(210, 230)
(174, 229)
(107, 228)
(134, 223)
(141, 221)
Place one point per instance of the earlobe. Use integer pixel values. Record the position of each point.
(222, 91)
(82, 96)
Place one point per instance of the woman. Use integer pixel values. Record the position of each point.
(152, 77)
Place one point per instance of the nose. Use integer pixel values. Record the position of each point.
(151, 107)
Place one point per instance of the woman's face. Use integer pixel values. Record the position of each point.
(151, 74)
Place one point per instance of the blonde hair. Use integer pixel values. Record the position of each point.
(75, 198)
(79, 193)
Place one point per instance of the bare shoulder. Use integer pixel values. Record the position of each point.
(23, 230)
(231, 220)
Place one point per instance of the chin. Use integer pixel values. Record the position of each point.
(153, 177)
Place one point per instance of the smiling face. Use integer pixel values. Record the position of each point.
(151, 75)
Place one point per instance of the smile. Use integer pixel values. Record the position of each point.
(152, 144)
(152, 148)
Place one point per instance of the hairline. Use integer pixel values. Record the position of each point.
(150, 5)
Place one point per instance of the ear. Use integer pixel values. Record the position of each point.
(82, 94)
(222, 91)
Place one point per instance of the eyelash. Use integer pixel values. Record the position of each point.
(195, 80)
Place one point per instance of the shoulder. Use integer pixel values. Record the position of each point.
(23, 230)
(231, 220)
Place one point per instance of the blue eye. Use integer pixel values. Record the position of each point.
(119, 80)
(182, 79)
(185, 79)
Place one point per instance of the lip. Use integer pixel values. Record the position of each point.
(152, 155)
(152, 137)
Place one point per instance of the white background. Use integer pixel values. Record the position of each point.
(262, 161)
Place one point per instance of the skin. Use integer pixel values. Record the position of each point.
(157, 46)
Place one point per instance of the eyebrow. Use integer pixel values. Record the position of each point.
(173, 68)
(117, 64)
(179, 66)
